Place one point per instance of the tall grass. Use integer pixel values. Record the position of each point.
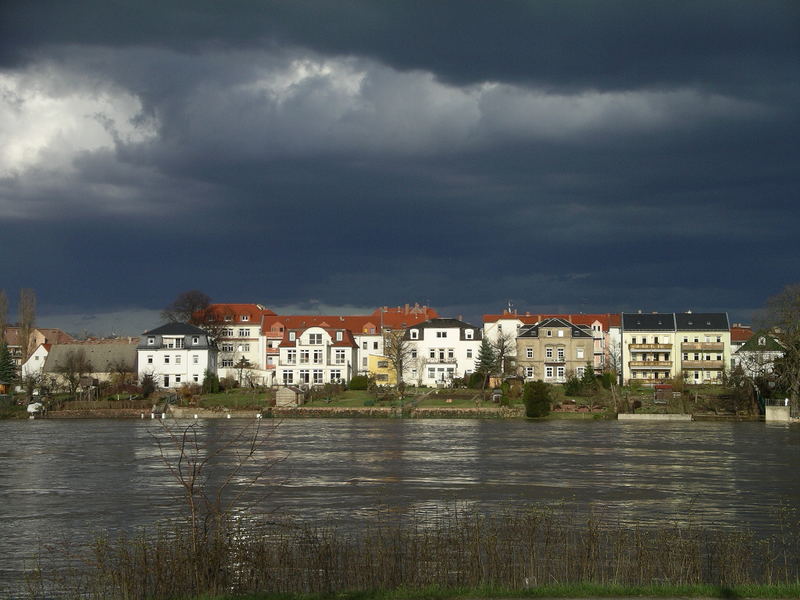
(520, 549)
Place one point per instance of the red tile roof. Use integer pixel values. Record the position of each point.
(607, 320)
(347, 341)
(741, 333)
(254, 312)
(393, 318)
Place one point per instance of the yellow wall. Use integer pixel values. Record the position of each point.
(383, 375)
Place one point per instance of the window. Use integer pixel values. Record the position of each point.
(195, 359)
(381, 377)
(450, 353)
(441, 334)
(166, 381)
(226, 362)
(432, 353)
(431, 373)
(655, 340)
(244, 332)
(288, 377)
(528, 352)
(719, 356)
(177, 359)
(364, 345)
(317, 357)
(336, 375)
(227, 347)
(291, 356)
(292, 336)
(196, 378)
(548, 352)
(468, 334)
(374, 345)
(696, 356)
(560, 371)
(315, 339)
(303, 375)
(413, 353)
(339, 357)
(548, 372)
(383, 364)
(685, 356)
(549, 333)
(195, 339)
(580, 371)
(719, 338)
(633, 340)
(245, 317)
(226, 332)
(339, 336)
(579, 353)
(685, 338)
(364, 362)
(228, 318)
(414, 334)
(561, 354)
(177, 378)
(304, 356)
(151, 340)
(317, 373)
(469, 352)
(166, 359)
(560, 333)
(179, 343)
(528, 371)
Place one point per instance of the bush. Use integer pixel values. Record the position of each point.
(607, 378)
(369, 402)
(359, 382)
(573, 386)
(536, 396)
(210, 383)
(148, 385)
(475, 381)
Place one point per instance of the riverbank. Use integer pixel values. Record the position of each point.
(572, 591)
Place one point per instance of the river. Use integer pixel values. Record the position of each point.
(69, 480)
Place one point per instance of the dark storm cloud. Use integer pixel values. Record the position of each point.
(566, 155)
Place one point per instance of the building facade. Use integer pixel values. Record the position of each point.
(315, 355)
(176, 354)
(441, 351)
(554, 348)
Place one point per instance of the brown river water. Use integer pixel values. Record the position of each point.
(71, 480)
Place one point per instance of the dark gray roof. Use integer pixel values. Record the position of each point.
(176, 329)
(702, 321)
(577, 331)
(443, 323)
(648, 321)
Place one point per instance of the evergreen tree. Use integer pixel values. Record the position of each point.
(486, 364)
(536, 396)
(8, 370)
(588, 381)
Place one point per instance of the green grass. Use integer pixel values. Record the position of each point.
(567, 590)
(235, 399)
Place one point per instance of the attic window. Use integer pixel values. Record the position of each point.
(338, 336)
(291, 336)
(245, 317)
(468, 334)
(195, 339)
(762, 341)
(228, 318)
(414, 334)
(151, 340)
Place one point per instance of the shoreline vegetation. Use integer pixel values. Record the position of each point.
(534, 551)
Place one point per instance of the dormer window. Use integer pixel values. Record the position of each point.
(468, 334)
(245, 317)
(414, 334)
(338, 336)
(228, 318)
(195, 339)
(151, 340)
(549, 333)
(292, 336)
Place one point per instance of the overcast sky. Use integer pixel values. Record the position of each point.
(324, 156)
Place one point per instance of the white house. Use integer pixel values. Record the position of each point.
(35, 363)
(442, 350)
(175, 354)
(316, 355)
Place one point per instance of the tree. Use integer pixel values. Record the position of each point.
(782, 315)
(188, 307)
(398, 351)
(210, 382)
(588, 380)
(504, 347)
(536, 396)
(27, 320)
(8, 370)
(75, 367)
(487, 360)
(241, 365)
(614, 358)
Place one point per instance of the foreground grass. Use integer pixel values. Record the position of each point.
(577, 590)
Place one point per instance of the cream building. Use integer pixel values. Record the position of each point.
(552, 349)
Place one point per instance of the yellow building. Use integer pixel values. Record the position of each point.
(381, 370)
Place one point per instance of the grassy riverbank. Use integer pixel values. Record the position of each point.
(526, 552)
(579, 590)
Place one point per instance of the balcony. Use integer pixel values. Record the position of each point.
(556, 359)
(440, 360)
(650, 364)
(702, 364)
(273, 350)
(644, 347)
(712, 346)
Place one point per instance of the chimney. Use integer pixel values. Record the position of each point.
(460, 318)
(407, 307)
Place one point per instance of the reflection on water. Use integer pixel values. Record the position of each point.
(71, 479)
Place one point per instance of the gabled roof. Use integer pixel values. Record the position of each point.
(176, 329)
(576, 331)
(103, 357)
(771, 343)
(740, 334)
(218, 312)
(347, 341)
(440, 323)
(702, 321)
(648, 321)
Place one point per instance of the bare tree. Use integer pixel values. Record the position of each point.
(188, 307)
(613, 357)
(398, 352)
(782, 316)
(504, 347)
(27, 320)
(75, 367)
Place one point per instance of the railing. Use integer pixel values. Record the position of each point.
(702, 364)
(442, 360)
(714, 346)
(655, 364)
(556, 359)
(640, 347)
